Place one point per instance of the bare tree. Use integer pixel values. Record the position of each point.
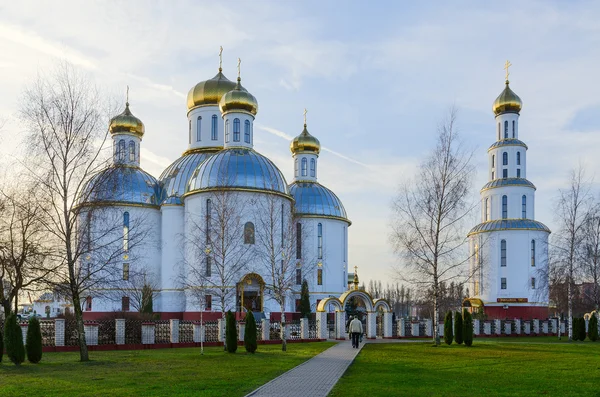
(572, 210)
(591, 253)
(429, 213)
(139, 285)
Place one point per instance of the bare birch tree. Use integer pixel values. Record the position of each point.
(591, 253)
(429, 214)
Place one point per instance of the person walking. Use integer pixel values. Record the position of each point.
(355, 330)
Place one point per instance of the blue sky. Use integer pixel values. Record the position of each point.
(376, 77)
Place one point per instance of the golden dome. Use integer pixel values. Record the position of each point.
(507, 102)
(209, 92)
(305, 143)
(238, 99)
(126, 123)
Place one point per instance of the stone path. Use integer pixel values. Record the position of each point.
(315, 377)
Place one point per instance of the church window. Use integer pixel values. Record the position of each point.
(493, 160)
(506, 129)
(236, 130)
(503, 283)
(208, 302)
(505, 173)
(518, 172)
(125, 304)
(532, 252)
(126, 231)
(503, 253)
(122, 150)
(492, 175)
(319, 276)
(304, 166)
(298, 276)
(313, 167)
(344, 244)
(485, 211)
(296, 167)
(532, 282)
(498, 131)
(249, 233)
(214, 133)
(298, 240)
(88, 303)
(513, 128)
(190, 130)
(504, 207)
(126, 271)
(208, 217)
(226, 130)
(320, 240)
(524, 207)
(518, 158)
(88, 231)
(208, 265)
(247, 131)
(199, 129)
(131, 151)
(505, 158)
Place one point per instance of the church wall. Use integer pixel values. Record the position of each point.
(171, 296)
(514, 202)
(206, 112)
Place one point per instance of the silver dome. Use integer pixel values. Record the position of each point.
(174, 179)
(507, 142)
(119, 184)
(238, 168)
(509, 224)
(313, 198)
(508, 182)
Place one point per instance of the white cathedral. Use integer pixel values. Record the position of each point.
(179, 212)
(509, 248)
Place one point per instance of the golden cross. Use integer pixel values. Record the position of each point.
(355, 269)
(506, 66)
(221, 58)
(305, 111)
(239, 67)
(127, 96)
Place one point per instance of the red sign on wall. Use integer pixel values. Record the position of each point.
(511, 300)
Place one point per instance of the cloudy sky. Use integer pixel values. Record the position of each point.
(376, 77)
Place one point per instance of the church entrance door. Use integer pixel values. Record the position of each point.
(250, 293)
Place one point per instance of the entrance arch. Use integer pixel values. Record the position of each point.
(250, 293)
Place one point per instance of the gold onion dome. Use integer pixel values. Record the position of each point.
(126, 123)
(209, 92)
(238, 99)
(304, 143)
(507, 102)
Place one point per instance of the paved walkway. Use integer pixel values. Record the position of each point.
(315, 377)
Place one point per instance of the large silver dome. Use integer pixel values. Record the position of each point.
(315, 199)
(174, 179)
(119, 184)
(238, 168)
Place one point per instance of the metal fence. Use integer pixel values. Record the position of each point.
(186, 332)
(47, 328)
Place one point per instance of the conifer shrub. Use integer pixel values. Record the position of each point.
(34, 341)
(576, 325)
(467, 327)
(250, 333)
(582, 333)
(13, 340)
(448, 335)
(593, 328)
(230, 333)
(304, 308)
(458, 328)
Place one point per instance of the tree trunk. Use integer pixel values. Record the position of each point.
(570, 309)
(283, 341)
(83, 349)
(436, 309)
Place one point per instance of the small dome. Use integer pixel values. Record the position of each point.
(174, 179)
(238, 99)
(314, 199)
(209, 92)
(305, 143)
(507, 102)
(126, 123)
(126, 185)
(238, 168)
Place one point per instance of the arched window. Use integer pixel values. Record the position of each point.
(214, 134)
(498, 131)
(125, 231)
(505, 173)
(208, 217)
(247, 131)
(190, 130)
(518, 158)
(122, 150)
(503, 253)
(493, 160)
(208, 266)
(320, 240)
(298, 240)
(199, 129)
(131, 151)
(313, 168)
(296, 167)
(88, 231)
(304, 166)
(524, 207)
(249, 233)
(236, 130)
(513, 129)
(485, 211)
(226, 130)
(532, 282)
(518, 172)
(505, 158)
(506, 129)
(126, 271)
(504, 207)
(532, 252)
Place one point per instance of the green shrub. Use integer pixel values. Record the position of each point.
(448, 335)
(576, 325)
(304, 300)
(1, 345)
(592, 328)
(467, 328)
(13, 340)
(250, 333)
(231, 333)
(582, 333)
(458, 328)
(34, 341)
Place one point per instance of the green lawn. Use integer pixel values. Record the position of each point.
(164, 372)
(502, 367)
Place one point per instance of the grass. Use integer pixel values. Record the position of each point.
(491, 367)
(174, 372)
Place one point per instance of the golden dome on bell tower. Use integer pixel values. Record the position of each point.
(507, 102)
(305, 142)
(126, 123)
